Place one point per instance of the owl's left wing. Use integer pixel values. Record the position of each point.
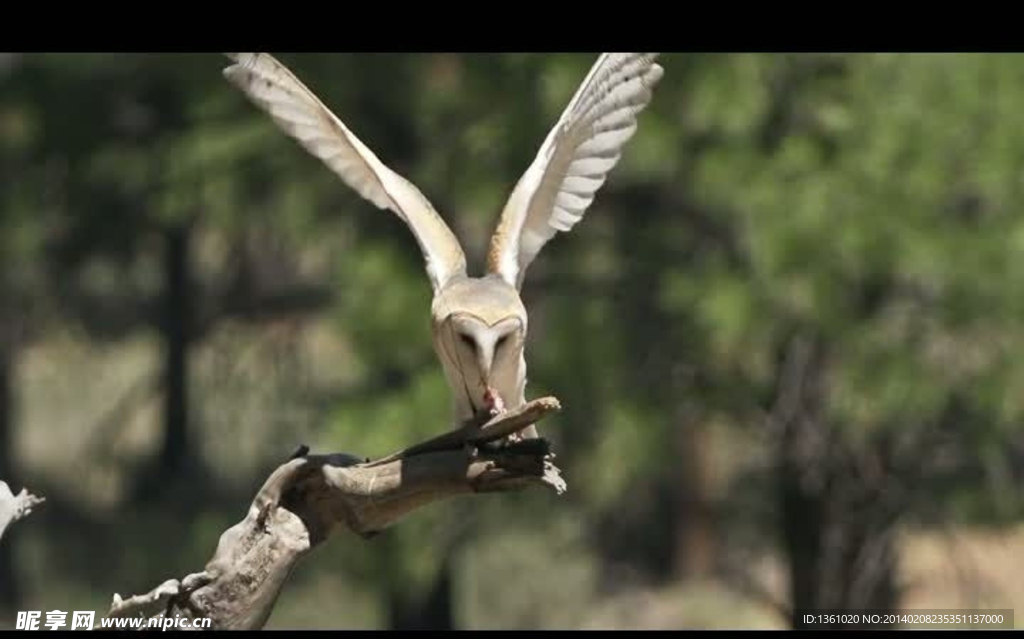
(300, 114)
(574, 161)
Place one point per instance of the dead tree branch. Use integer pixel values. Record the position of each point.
(14, 507)
(309, 497)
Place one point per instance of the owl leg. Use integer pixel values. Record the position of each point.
(495, 405)
(530, 432)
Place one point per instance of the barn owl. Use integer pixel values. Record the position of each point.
(479, 324)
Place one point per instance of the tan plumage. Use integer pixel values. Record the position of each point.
(479, 323)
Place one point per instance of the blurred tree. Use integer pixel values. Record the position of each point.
(151, 169)
(176, 323)
(853, 208)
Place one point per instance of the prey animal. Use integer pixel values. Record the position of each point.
(479, 323)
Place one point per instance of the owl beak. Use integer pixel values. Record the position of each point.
(485, 358)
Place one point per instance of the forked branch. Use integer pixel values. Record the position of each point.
(309, 497)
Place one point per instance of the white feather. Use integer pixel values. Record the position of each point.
(300, 114)
(573, 163)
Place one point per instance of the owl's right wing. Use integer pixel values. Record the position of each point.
(573, 163)
(297, 111)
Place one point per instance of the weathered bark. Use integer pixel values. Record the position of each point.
(310, 497)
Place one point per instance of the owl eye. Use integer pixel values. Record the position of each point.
(468, 341)
(501, 342)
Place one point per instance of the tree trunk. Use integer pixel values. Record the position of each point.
(9, 594)
(835, 520)
(802, 527)
(693, 530)
(841, 559)
(175, 326)
(432, 611)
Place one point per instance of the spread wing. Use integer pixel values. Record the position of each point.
(272, 87)
(574, 161)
